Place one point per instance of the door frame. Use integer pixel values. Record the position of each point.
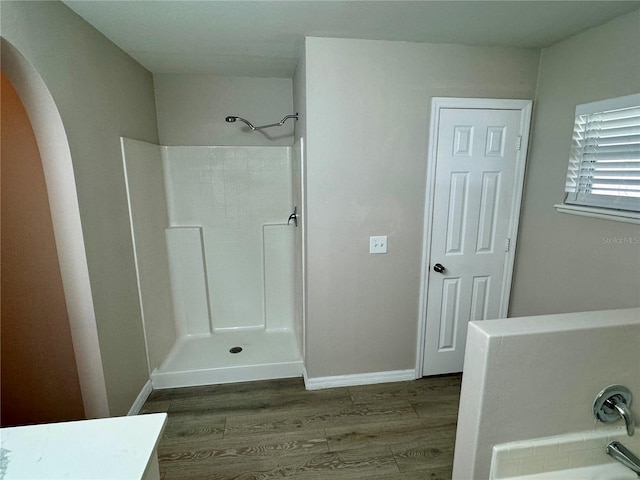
(437, 105)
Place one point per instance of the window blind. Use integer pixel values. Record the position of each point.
(604, 163)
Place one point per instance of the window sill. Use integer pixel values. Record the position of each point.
(604, 213)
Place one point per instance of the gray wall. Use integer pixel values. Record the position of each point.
(192, 109)
(367, 120)
(568, 263)
(101, 93)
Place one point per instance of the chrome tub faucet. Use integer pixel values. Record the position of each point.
(621, 454)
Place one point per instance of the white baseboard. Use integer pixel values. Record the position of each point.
(319, 383)
(142, 397)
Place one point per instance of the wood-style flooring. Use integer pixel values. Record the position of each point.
(276, 429)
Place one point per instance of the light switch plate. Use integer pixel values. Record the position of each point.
(378, 244)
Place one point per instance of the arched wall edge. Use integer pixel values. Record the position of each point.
(65, 214)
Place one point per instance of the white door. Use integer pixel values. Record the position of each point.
(478, 174)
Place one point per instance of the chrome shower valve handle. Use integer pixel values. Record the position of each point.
(618, 405)
(294, 217)
(613, 403)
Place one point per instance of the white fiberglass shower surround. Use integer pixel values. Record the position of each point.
(216, 261)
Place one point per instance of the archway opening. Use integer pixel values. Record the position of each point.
(58, 172)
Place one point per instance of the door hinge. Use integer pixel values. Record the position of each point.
(507, 244)
(519, 142)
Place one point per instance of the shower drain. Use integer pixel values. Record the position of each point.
(235, 350)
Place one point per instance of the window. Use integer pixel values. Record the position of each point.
(604, 165)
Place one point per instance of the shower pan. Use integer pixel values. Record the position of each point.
(227, 253)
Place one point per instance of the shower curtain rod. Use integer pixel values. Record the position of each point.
(233, 118)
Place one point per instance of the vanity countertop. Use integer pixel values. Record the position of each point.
(106, 448)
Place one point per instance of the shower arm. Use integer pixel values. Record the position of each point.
(232, 119)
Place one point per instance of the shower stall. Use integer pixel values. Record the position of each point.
(218, 259)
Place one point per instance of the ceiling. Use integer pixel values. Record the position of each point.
(265, 38)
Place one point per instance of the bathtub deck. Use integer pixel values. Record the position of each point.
(206, 359)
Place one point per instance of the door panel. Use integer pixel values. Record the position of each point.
(488, 207)
(475, 179)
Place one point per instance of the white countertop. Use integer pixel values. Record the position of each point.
(107, 448)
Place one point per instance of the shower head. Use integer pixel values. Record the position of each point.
(232, 118)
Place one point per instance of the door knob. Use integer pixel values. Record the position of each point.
(438, 268)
